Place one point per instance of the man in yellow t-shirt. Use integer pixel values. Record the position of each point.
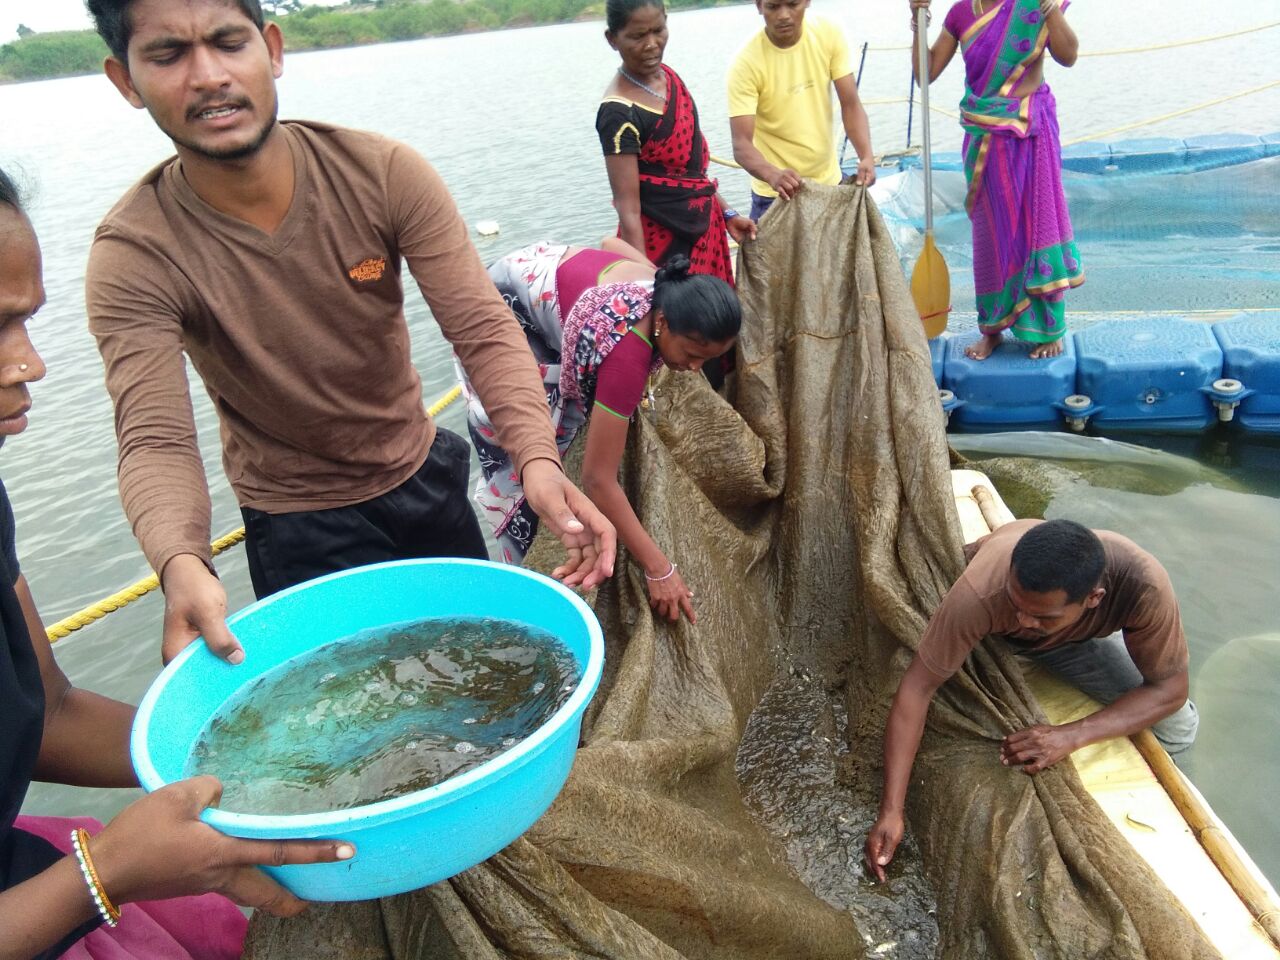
(780, 104)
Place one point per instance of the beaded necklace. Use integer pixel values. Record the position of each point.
(643, 86)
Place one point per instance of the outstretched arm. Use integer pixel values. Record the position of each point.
(589, 539)
(155, 849)
(487, 339)
(136, 316)
(901, 744)
(783, 179)
(940, 54)
(606, 441)
(1040, 747)
(857, 128)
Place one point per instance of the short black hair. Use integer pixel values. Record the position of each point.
(1059, 555)
(9, 196)
(111, 19)
(696, 304)
(617, 13)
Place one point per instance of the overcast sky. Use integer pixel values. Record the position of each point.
(41, 15)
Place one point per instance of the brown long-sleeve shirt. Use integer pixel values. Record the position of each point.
(299, 336)
(1139, 601)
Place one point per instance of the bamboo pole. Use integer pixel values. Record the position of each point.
(993, 511)
(1205, 827)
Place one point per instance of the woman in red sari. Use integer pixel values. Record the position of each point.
(655, 153)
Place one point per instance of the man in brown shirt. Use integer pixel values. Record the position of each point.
(270, 253)
(1093, 607)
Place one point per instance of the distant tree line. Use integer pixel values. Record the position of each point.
(41, 55)
(37, 55)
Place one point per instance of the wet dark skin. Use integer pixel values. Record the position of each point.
(157, 847)
(1063, 46)
(1033, 749)
(640, 45)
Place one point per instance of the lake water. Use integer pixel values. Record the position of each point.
(508, 119)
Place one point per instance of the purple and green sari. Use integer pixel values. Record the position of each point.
(1024, 255)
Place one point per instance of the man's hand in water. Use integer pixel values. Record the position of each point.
(1037, 748)
(195, 604)
(882, 842)
(588, 536)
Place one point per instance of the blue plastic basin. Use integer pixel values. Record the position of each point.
(419, 838)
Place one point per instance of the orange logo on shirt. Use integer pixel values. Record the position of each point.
(367, 271)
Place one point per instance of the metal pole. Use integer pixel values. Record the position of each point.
(911, 105)
(922, 74)
(858, 82)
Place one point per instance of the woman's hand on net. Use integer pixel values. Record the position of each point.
(741, 229)
(669, 597)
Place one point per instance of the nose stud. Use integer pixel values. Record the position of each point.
(22, 367)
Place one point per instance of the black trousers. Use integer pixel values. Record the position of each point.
(429, 515)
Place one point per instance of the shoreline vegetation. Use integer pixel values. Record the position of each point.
(68, 53)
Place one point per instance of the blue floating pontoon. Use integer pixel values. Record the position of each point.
(1008, 390)
(938, 355)
(1149, 374)
(1250, 345)
(1178, 323)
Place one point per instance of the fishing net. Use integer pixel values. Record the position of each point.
(813, 517)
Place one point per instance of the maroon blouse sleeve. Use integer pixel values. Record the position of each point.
(622, 375)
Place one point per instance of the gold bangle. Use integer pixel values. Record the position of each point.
(110, 913)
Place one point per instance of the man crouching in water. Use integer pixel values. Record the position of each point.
(1092, 607)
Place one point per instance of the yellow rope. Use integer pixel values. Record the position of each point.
(448, 398)
(131, 593)
(1128, 50)
(1105, 134)
(1101, 135)
(1181, 43)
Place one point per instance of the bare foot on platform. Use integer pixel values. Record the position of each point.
(1047, 350)
(984, 347)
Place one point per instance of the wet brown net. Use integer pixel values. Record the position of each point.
(813, 518)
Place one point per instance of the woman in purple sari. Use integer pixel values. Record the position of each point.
(1024, 255)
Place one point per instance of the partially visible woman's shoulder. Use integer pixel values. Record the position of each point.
(958, 18)
(617, 125)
